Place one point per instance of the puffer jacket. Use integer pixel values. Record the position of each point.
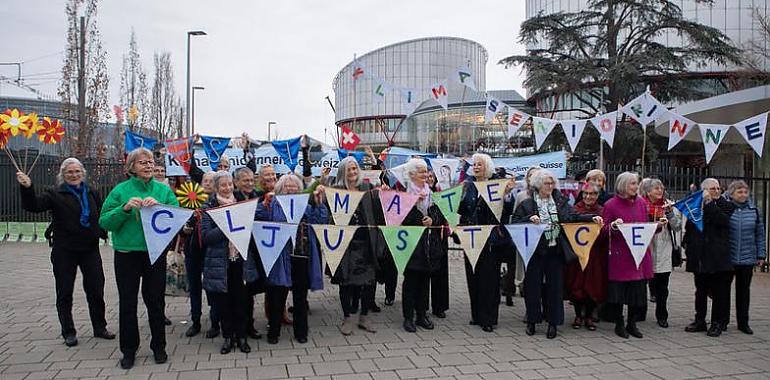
(747, 235)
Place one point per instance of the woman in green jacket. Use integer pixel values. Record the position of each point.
(120, 214)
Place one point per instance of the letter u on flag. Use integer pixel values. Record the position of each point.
(288, 150)
(236, 222)
(581, 237)
(334, 241)
(472, 240)
(160, 224)
(270, 239)
(214, 147)
(448, 201)
(342, 204)
(692, 208)
(402, 241)
(526, 236)
(135, 140)
(492, 192)
(638, 237)
(396, 205)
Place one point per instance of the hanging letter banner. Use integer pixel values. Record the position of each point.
(573, 129)
(236, 221)
(439, 93)
(288, 150)
(448, 201)
(713, 135)
(334, 241)
(271, 238)
(526, 237)
(516, 120)
(638, 237)
(160, 224)
(396, 205)
(606, 124)
(214, 148)
(401, 242)
(492, 108)
(293, 206)
(581, 237)
(135, 140)
(753, 131)
(343, 204)
(644, 109)
(542, 127)
(472, 240)
(678, 128)
(465, 77)
(493, 192)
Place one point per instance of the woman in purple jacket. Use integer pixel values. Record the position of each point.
(627, 284)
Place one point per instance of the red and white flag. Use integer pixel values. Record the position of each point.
(348, 139)
(179, 149)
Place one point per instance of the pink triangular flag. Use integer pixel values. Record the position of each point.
(396, 205)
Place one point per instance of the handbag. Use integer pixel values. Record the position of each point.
(676, 251)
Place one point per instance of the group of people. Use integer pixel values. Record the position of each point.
(729, 245)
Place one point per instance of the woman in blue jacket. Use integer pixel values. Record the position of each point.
(747, 248)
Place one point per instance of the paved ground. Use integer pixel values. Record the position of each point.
(30, 347)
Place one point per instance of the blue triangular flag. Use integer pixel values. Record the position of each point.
(692, 208)
(135, 140)
(342, 153)
(288, 150)
(271, 238)
(160, 224)
(214, 148)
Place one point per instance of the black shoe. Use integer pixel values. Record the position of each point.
(160, 356)
(696, 326)
(424, 322)
(409, 325)
(508, 300)
(166, 321)
(243, 344)
(301, 340)
(70, 340)
(487, 328)
(634, 331)
(212, 332)
(530, 329)
(254, 334)
(375, 308)
(272, 340)
(194, 330)
(389, 302)
(653, 299)
(227, 346)
(663, 323)
(439, 314)
(127, 362)
(551, 332)
(104, 334)
(715, 330)
(621, 331)
(746, 330)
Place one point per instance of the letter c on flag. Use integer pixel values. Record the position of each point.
(578, 231)
(155, 217)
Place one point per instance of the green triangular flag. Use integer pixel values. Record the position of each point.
(402, 240)
(448, 201)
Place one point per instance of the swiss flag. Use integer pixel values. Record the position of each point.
(349, 140)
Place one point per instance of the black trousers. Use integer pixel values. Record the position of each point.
(659, 286)
(545, 265)
(414, 293)
(65, 269)
(350, 293)
(232, 306)
(742, 275)
(439, 289)
(484, 288)
(276, 304)
(615, 311)
(390, 279)
(718, 285)
(131, 268)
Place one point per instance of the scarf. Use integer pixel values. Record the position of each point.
(546, 210)
(655, 209)
(81, 194)
(232, 251)
(423, 192)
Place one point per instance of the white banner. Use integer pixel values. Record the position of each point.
(542, 127)
(638, 237)
(493, 194)
(270, 239)
(236, 221)
(556, 162)
(293, 206)
(678, 128)
(713, 135)
(472, 240)
(343, 204)
(606, 125)
(334, 241)
(265, 154)
(573, 129)
(464, 76)
(160, 224)
(409, 100)
(526, 237)
(753, 131)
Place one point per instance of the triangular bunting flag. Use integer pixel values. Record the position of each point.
(333, 240)
(692, 208)
(492, 108)
(439, 93)
(135, 140)
(396, 205)
(379, 89)
(409, 100)
(293, 207)
(516, 120)
(472, 240)
(638, 237)
(573, 129)
(678, 128)
(753, 131)
(288, 150)
(214, 147)
(342, 203)
(448, 201)
(644, 109)
(398, 172)
(492, 193)
(582, 237)
(401, 242)
(179, 149)
(445, 170)
(465, 77)
(236, 221)
(606, 125)
(358, 155)
(160, 224)
(713, 135)
(542, 127)
(358, 70)
(526, 237)
(270, 239)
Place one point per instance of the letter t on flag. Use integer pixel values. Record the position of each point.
(472, 241)
(349, 138)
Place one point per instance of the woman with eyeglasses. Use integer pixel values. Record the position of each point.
(120, 214)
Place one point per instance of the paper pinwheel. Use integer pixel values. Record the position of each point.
(51, 131)
(13, 121)
(32, 124)
(4, 136)
(191, 195)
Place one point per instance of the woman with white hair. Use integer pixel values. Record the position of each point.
(74, 208)
(484, 280)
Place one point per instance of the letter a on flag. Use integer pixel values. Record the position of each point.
(402, 241)
(448, 201)
(472, 240)
(271, 238)
(343, 204)
(581, 237)
(753, 131)
(288, 150)
(542, 127)
(160, 224)
(492, 192)
(334, 241)
(465, 77)
(525, 236)
(236, 221)
(396, 205)
(638, 237)
(713, 135)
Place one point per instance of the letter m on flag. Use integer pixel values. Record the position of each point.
(438, 92)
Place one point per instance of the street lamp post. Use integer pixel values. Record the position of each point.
(269, 135)
(187, 87)
(192, 110)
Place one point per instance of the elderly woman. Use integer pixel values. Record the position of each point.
(747, 248)
(627, 283)
(225, 272)
(120, 214)
(298, 268)
(709, 259)
(660, 210)
(548, 206)
(75, 211)
(587, 288)
(356, 272)
(483, 280)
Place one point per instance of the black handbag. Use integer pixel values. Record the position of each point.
(676, 251)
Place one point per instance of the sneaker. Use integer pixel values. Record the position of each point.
(364, 323)
(347, 326)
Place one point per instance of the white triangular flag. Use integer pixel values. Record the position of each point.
(526, 237)
(492, 108)
(606, 125)
(236, 221)
(713, 135)
(753, 131)
(342, 203)
(573, 129)
(409, 100)
(542, 127)
(380, 89)
(464, 76)
(472, 240)
(334, 241)
(644, 109)
(638, 237)
(160, 224)
(439, 93)
(399, 172)
(293, 206)
(493, 193)
(516, 120)
(678, 128)
(270, 239)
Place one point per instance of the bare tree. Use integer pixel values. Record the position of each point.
(133, 88)
(757, 53)
(166, 110)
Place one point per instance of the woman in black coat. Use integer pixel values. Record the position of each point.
(75, 209)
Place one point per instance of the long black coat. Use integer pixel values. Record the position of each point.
(709, 251)
(430, 252)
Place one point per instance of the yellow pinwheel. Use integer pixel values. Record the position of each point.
(191, 195)
(32, 124)
(13, 121)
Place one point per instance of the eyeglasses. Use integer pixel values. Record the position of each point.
(590, 193)
(73, 172)
(146, 163)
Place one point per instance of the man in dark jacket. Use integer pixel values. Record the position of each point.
(708, 258)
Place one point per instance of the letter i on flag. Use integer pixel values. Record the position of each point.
(448, 201)
(160, 224)
(293, 207)
(214, 147)
(492, 192)
(270, 239)
(236, 222)
(334, 241)
(638, 237)
(581, 237)
(396, 205)
(342, 204)
(573, 129)
(472, 240)
(288, 150)
(402, 241)
(526, 237)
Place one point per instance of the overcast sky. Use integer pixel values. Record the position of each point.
(262, 60)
